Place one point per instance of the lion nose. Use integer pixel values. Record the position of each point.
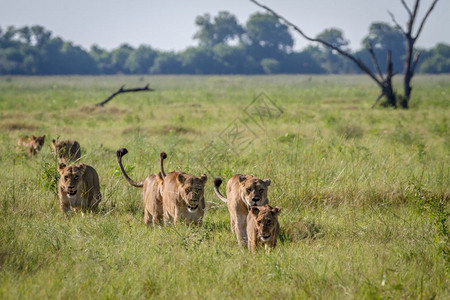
(255, 199)
(71, 186)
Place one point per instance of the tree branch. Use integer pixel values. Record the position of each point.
(378, 99)
(374, 61)
(413, 16)
(407, 8)
(122, 90)
(425, 18)
(416, 60)
(396, 23)
(356, 60)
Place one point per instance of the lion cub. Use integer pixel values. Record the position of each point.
(151, 193)
(32, 144)
(78, 188)
(243, 191)
(262, 226)
(66, 151)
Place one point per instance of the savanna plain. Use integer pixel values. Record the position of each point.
(364, 192)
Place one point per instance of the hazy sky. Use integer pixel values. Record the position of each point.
(169, 24)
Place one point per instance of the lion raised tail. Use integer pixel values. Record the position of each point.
(217, 183)
(120, 153)
(163, 156)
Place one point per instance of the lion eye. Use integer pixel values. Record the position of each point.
(268, 222)
(259, 222)
(76, 177)
(261, 191)
(66, 177)
(249, 191)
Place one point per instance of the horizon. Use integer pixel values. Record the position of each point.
(138, 29)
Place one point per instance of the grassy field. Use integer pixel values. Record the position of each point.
(364, 192)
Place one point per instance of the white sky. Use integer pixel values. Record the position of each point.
(169, 24)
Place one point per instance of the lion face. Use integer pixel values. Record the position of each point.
(36, 142)
(71, 178)
(253, 190)
(191, 190)
(266, 220)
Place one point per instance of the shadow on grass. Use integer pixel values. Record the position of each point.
(301, 230)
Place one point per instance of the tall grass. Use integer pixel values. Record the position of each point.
(364, 191)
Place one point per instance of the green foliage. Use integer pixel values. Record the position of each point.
(266, 31)
(350, 131)
(270, 65)
(436, 207)
(436, 61)
(141, 60)
(225, 47)
(222, 30)
(383, 37)
(120, 56)
(364, 192)
(334, 37)
(49, 177)
(166, 63)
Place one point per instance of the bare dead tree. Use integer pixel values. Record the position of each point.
(383, 80)
(411, 59)
(123, 90)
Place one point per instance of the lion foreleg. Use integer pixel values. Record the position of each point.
(241, 230)
(146, 217)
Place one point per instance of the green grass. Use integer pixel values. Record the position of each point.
(364, 192)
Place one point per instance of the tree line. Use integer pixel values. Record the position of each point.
(263, 45)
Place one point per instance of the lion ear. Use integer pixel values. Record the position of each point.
(54, 143)
(203, 179)
(43, 137)
(242, 178)
(180, 178)
(82, 168)
(61, 167)
(267, 182)
(33, 137)
(276, 210)
(254, 210)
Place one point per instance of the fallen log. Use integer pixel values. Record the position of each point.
(123, 90)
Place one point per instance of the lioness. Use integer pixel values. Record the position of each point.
(32, 144)
(66, 151)
(151, 193)
(183, 197)
(243, 191)
(78, 188)
(262, 226)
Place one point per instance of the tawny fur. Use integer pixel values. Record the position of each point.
(263, 227)
(78, 188)
(151, 192)
(32, 144)
(183, 198)
(66, 151)
(242, 191)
